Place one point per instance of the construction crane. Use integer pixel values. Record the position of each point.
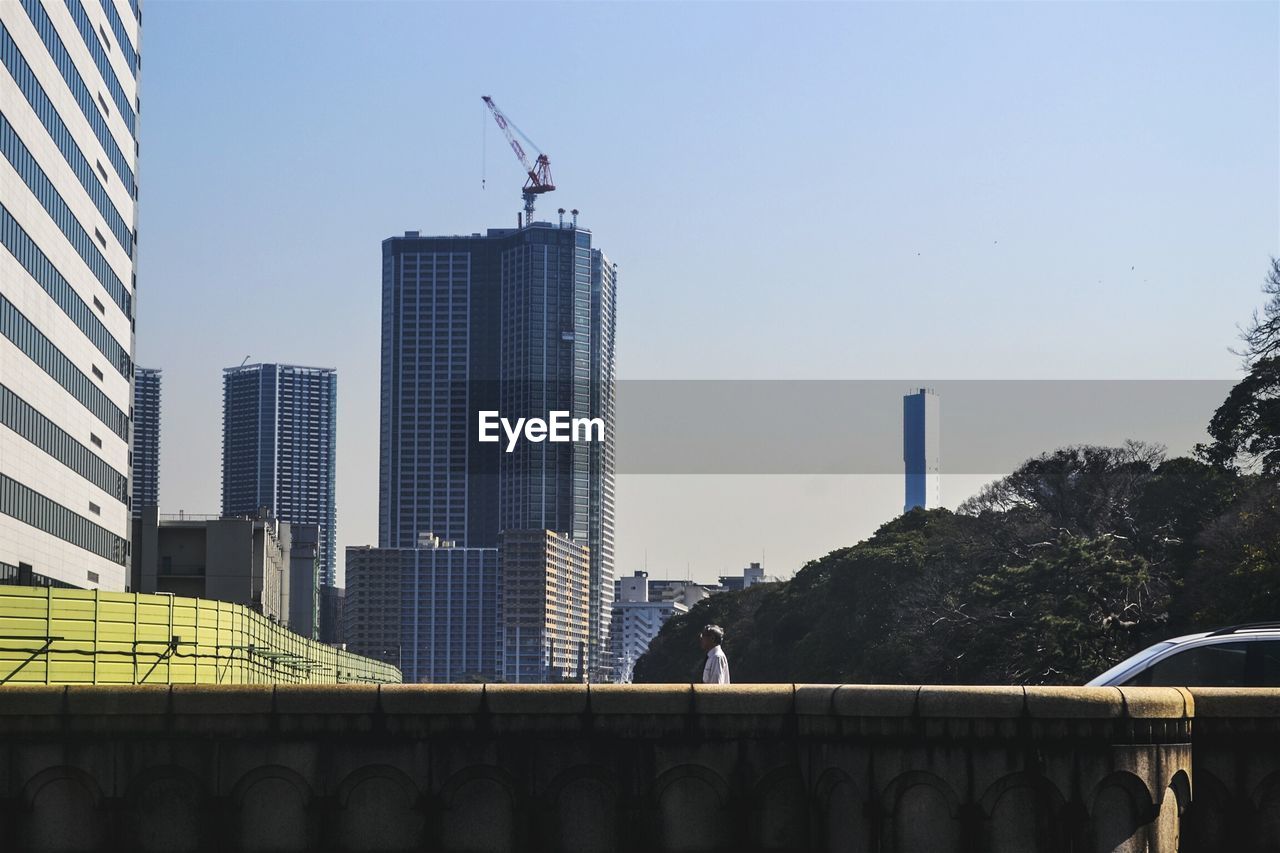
(539, 172)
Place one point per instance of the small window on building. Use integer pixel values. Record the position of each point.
(101, 239)
(102, 171)
(105, 41)
(93, 577)
(97, 303)
(97, 372)
(102, 102)
(97, 442)
(94, 508)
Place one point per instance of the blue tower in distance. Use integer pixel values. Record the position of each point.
(921, 450)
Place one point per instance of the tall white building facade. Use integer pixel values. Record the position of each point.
(68, 207)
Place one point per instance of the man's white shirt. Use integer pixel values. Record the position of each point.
(716, 669)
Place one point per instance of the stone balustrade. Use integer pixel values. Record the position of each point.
(639, 769)
(1236, 806)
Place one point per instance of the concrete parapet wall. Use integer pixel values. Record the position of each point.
(604, 768)
(1237, 772)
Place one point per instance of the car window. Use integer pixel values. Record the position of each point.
(1219, 665)
(1264, 665)
(1110, 677)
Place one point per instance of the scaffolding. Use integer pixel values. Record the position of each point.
(74, 636)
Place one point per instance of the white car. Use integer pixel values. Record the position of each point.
(1240, 656)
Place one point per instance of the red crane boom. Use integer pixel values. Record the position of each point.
(539, 172)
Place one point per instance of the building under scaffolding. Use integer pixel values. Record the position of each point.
(73, 636)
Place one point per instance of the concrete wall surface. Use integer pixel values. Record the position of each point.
(1237, 772)
(638, 769)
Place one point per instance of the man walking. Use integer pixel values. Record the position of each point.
(716, 668)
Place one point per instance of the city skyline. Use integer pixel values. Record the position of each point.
(1036, 159)
(1052, 627)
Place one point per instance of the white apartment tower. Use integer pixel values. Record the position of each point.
(68, 206)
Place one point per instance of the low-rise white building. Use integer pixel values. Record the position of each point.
(636, 621)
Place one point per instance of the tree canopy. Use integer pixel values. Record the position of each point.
(1076, 560)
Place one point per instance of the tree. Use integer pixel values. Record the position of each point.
(933, 597)
(1085, 489)
(1246, 427)
(1262, 337)
(1237, 571)
(1070, 613)
(1177, 502)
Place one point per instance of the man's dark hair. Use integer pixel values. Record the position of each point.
(715, 632)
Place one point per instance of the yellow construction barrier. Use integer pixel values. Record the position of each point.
(74, 636)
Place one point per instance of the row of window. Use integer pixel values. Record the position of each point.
(42, 188)
(61, 136)
(30, 507)
(10, 575)
(40, 268)
(90, 39)
(122, 37)
(21, 417)
(26, 337)
(62, 59)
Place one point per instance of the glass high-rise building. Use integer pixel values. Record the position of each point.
(432, 610)
(279, 429)
(146, 440)
(519, 321)
(68, 210)
(600, 525)
(441, 316)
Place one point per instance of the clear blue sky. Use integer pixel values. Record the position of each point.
(892, 190)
